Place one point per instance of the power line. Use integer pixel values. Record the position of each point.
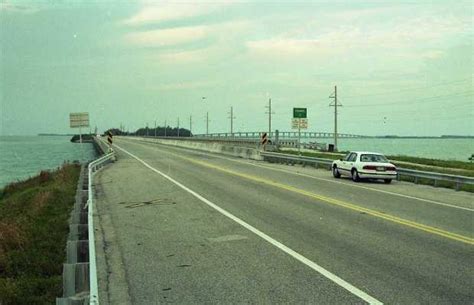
(466, 93)
(410, 89)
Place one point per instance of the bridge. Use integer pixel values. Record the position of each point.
(200, 222)
(281, 135)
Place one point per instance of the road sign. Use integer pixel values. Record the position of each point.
(264, 138)
(299, 124)
(109, 137)
(299, 113)
(79, 119)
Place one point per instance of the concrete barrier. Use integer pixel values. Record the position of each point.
(213, 147)
(100, 146)
(76, 268)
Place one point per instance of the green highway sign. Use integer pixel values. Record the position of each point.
(299, 113)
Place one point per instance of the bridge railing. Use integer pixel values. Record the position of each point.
(281, 135)
(93, 167)
(457, 180)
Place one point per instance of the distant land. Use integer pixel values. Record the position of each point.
(56, 134)
(379, 137)
(425, 137)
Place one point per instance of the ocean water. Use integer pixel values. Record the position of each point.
(444, 149)
(25, 156)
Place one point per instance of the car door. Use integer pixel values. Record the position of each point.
(351, 161)
(345, 164)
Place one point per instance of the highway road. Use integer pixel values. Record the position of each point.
(187, 227)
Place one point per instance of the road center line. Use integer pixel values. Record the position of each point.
(352, 289)
(329, 200)
(327, 180)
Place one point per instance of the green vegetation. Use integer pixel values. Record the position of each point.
(449, 164)
(424, 164)
(34, 226)
(443, 166)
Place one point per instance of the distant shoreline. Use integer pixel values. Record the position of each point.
(55, 134)
(424, 137)
(375, 137)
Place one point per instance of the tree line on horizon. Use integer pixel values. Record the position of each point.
(144, 131)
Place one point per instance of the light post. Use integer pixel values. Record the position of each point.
(178, 127)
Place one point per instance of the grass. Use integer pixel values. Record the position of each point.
(431, 165)
(34, 226)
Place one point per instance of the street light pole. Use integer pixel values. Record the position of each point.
(335, 104)
(232, 121)
(178, 127)
(166, 127)
(269, 116)
(190, 124)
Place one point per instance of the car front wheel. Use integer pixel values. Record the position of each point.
(355, 176)
(335, 172)
(387, 181)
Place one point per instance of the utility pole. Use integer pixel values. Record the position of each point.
(178, 127)
(190, 124)
(166, 127)
(269, 116)
(231, 121)
(147, 129)
(335, 104)
(155, 128)
(207, 123)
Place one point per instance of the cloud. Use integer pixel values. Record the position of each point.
(284, 46)
(7, 7)
(172, 10)
(222, 40)
(395, 37)
(193, 56)
(167, 37)
(180, 35)
(185, 85)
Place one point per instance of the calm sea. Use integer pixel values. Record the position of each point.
(22, 157)
(25, 156)
(445, 149)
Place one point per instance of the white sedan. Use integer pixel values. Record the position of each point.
(364, 165)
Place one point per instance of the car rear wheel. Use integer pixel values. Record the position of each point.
(355, 175)
(335, 172)
(387, 181)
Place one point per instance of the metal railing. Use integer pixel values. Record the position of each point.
(416, 174)
(436, 177)
(92, 168)
(235, 141)
(282, 135)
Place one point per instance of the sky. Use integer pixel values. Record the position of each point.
(400, 67)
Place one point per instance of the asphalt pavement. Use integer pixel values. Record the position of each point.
(187, 227)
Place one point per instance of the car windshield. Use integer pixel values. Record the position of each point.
(373, 158)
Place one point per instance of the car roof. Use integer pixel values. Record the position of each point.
(367, 152)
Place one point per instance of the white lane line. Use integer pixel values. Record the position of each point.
(354, 290)
(331, 180)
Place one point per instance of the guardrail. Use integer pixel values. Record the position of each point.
(253, 143)
(282, 134)
(326, 163)
(92, 168)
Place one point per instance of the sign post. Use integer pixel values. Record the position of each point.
(299, 122)
(79, 120)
